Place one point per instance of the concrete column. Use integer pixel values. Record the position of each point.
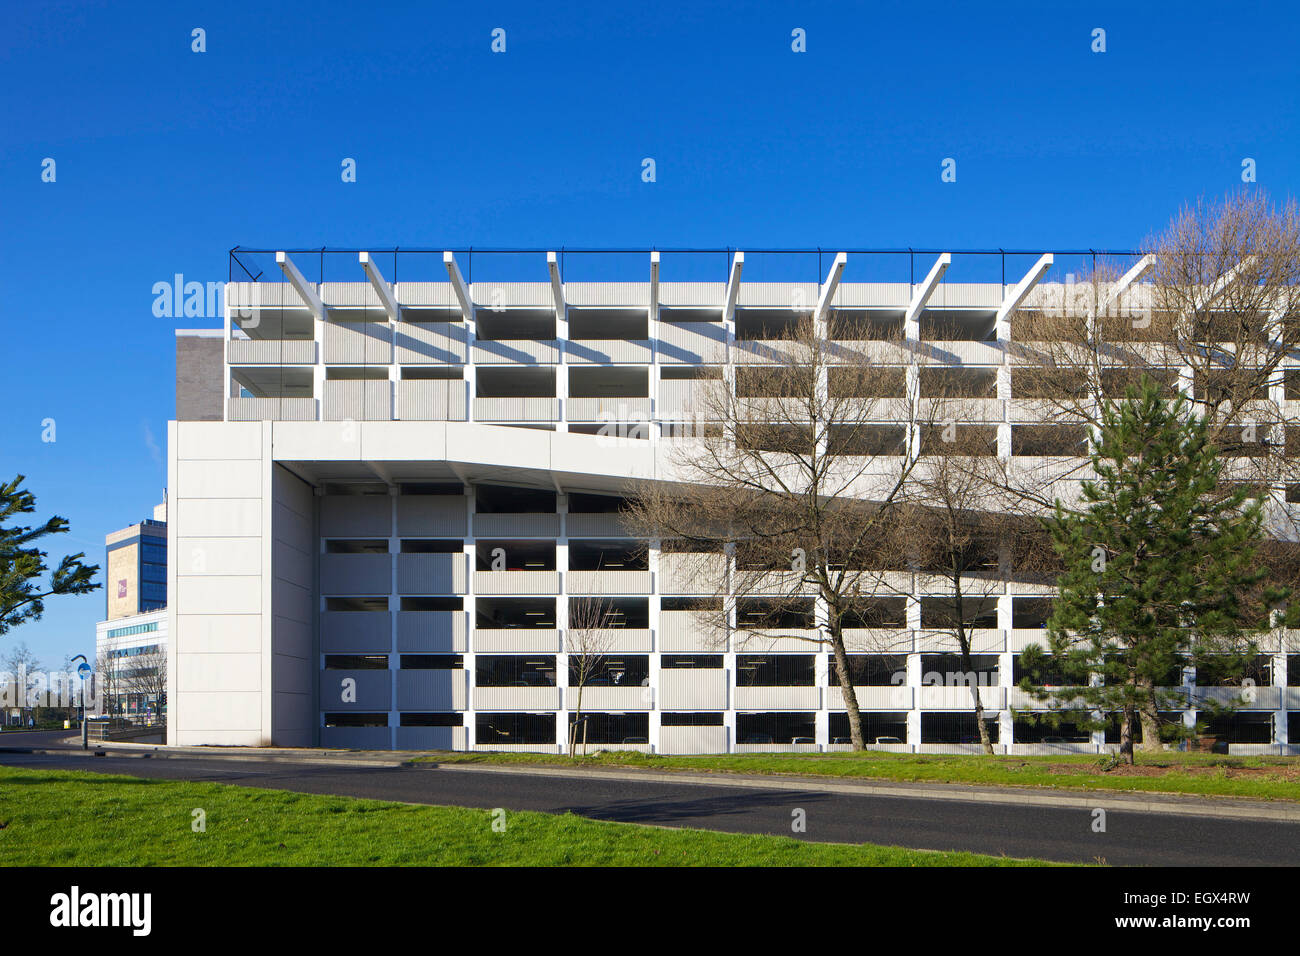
(821, 331)
(394, 659)
(912, 326)
(914, 715)
(912, 384)
(821, 675)
(562, 622)
(654, 604)
(1003, 333)
(1006, 675)
(914, 671)
(471, 336)
(912, 374)
(395, 376)
(1281, 732)
(227, 386)
(1004, 389)
(318, 386)
(1099, 737)
(471, 620)
(1189, 682)
(318, 370)
(729, 663)
(562, 369)
(655, 376)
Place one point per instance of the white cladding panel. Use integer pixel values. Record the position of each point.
(225, 594)
(218, 517)
(218, 583)
(221, 479)
(214, 634)
(219, 556)
(219, 673)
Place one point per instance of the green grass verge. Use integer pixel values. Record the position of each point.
(72, 818)
(1258, 778)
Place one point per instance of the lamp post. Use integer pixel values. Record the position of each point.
(83, 672)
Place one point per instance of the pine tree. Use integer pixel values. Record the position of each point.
(1161, 572)
(22, 562)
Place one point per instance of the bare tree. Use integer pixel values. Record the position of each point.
(108, 682)
(22, 667)
(588, 641)
(1217, 318)
(69, 687)
(144, 676)
(1227, 277)
(957, 531)
(783, 494)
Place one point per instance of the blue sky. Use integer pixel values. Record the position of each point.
(166, 158)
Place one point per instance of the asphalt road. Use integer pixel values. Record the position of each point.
(1052, 833)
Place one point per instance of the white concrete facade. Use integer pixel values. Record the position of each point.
(332, 523)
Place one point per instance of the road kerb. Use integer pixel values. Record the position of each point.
(1082, 801)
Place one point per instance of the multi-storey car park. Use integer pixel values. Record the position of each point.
(385, 495)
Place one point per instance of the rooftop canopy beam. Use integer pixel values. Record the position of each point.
(832, 283)
(382, 288)
(306, 291)
(1024, 286)
(733, 287)
(1228, 278)
(654, 285)
(458, 286)
(1134, 275)
(557, 287)
(921, 295)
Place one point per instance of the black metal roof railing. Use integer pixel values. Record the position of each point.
(249, 264)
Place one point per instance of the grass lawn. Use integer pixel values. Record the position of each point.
(72, 818)
(1258, 778)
